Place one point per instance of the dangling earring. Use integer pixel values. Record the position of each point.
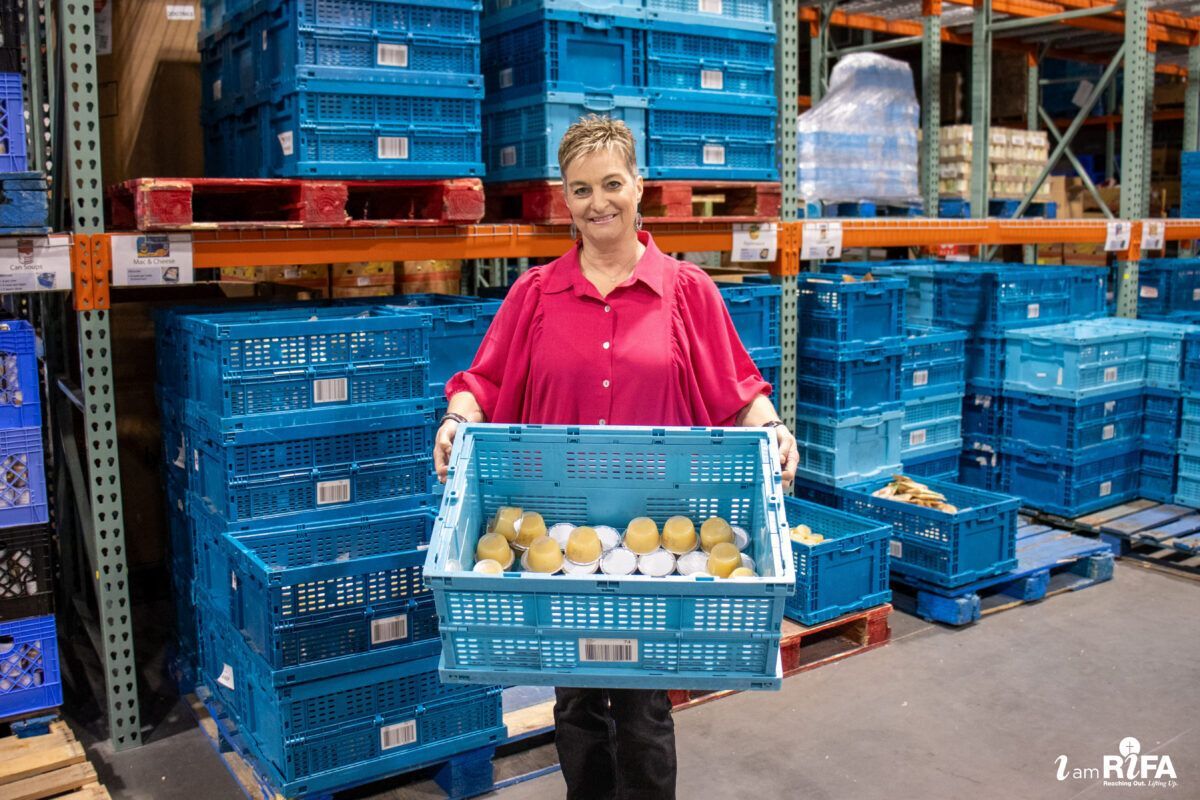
(574, 232)
(637, 221)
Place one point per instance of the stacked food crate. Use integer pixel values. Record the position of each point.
(693, 80)
(1171, 439)
(1169, 289)
(299, 444)
(932, 390)
(1015, 159)
(341, 88)
(754, 309)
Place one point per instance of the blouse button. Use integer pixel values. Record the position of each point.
(603, 422)
(606, 384)
(607, 309)
(606, 345)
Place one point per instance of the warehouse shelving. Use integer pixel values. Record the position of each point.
(94, 535)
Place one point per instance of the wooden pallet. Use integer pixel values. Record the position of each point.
(159, 204)
(543, 202)
(53, 764)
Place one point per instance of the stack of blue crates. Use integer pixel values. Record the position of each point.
(693, 79)
(1189, 195)
(1169, 289)
(342, 88)
(754, 309)
(1176, 435)
(298, 444)
(932, 388)
(849, 410)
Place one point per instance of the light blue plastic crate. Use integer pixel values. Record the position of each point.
(769, 360)
(931, 425)
(20, 381)
(23, 499)
(12, 124)
(834, 314)
(755, 313)
(523, 135)
(1189, 427)
(840, 453)
(459, 323)
(320, 596)
(850, 383)
(846, 572)
(1072, 427)
(939, 465)
(750, 15)
(674, 632)
(1075, 360)
(713, 61)
(29, 672)
(934, 363)
(1074, 485)
(344, 730)
(1165, 343)
(946, 549)
(696, 139)
(1187, 491)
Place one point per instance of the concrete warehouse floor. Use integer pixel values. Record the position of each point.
(939, 714)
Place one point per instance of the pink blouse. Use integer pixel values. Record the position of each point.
(659, 350)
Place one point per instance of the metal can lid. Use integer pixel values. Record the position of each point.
(741, 539)
(618, 561)
(657, 563)
(571, 568)
(692, 563)
(559, 533)
(609, 537)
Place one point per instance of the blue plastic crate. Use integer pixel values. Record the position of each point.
(316, 597)
(715, 62)
(23, 485)
(20, 384)
(769, 360)
(940, 466)
(850, 383)
(459, 323)
(840, 453)
(744, 15)
(983, 413)
(1074, 485)
(846, 572)
(1168, 285)
(1163, 415)
(523, 135)
(1187, 491)
(267, 368)
(931, 425)
(688, 138)
(673, 632)
(256, 474)
(945, 549)
(1189, 425)
(12, 124)
(29, 674)
(349, 729)
(981, 464)
(1165, 345)
(934, 363)
(833, 314)
(1157, 475)
(1075, 360)
(1065, 427)
(754, 310)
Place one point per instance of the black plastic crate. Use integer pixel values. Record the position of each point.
(26, 572)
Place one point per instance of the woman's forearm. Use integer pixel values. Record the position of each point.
(757, 412)
(465, 403)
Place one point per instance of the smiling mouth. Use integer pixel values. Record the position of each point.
(604, 219)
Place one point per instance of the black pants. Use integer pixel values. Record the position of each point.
(615, 744)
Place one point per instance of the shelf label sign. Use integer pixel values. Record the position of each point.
(755, 241)
(152, 259)
(181, 12)
(821, 240)
(1117, 238)
(1154, 234)
(35, 264)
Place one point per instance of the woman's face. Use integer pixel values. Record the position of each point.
(603, 196)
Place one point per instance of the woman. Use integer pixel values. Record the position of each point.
(614, 332)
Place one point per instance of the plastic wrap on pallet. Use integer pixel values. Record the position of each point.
(860, 141)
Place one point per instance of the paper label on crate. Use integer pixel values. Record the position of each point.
(393, 147)
(916, 438)
(397, 735)
(1106, 489)
(329, 492)
(821, 240)
(181, 454)
(216, 89)
(35, 264)
(178, 12)
(1151, 292)
(611, 650)
(754, 241)
(895, 548)
(287, 142)
(104, 28)
(391, 55)
(1110, 374)
(389, 629)
(505, 78)
(264, 41)
(508, 156)
(1108, 432)
(1110, 406)
(330, 390)
(1196, 294)
(712, 79)
(233, 581)
(152, 259)
(1033, 311)
(1154, 234)
(1117, 237)
(1082, 92)
(714, 154)
(711, 6)
(920, 377)
(226, 677)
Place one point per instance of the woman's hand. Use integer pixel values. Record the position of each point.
(789, 456)
(442, 444)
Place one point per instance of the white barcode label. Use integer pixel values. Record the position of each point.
(181, 13)
(624, 650)
(1109, 431)
(895, 549)
(508, 156)
(1110, 406)
(1033, 311)
(712, 79)
(391, 55)
(916, 438)
(714, 154)
(333, 492)
(505, 77)
(920, 377)
(1110, 374)
(1106, 489)
(330, 390)
(397, 735)
(1149, 291)
(286, 142)
(393, 147)
(226, 677)
(216, 89)
(389, 629)
(711, 6)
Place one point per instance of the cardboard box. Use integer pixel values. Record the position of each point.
(1169, 94)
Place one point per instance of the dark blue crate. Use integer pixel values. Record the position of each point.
(459, 323)
(29, 672)
(985, 362)
(981, 464)
(934, 363)
(940, 466)
(1189, 195)
(822, 494)
(25, 210)
(1163, 414)
(841, 386)
(846, 572)
(12, 125)
(832, 313)
(1063, 427)
(523, 135)
(1168, 286)
(1191, 364)
(769, 360)
(983, 413)
(1071, 486)
(715, 62)
(1159, 458)
(20, 380)
(745, 15)
(942, 548)
(23, 498)
(1154, 482)
(755, 313)
(693, 139)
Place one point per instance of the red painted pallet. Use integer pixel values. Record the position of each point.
(542, 202)
(159, 204)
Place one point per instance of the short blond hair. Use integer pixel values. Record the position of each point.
(594, 133)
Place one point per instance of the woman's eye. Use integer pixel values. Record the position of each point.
(580, 192)
(614, 184)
